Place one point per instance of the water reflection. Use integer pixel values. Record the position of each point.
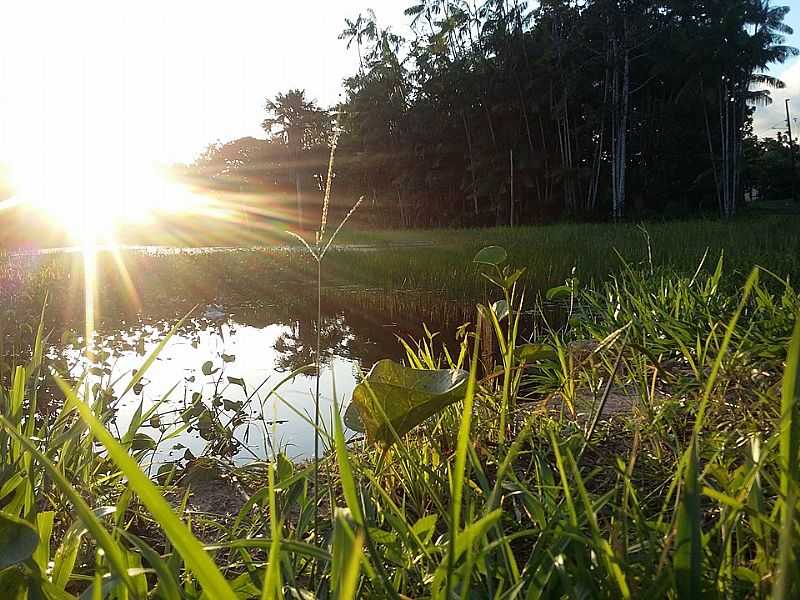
(220, 372)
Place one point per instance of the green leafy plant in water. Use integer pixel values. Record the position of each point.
(508, 309)
(394, 399)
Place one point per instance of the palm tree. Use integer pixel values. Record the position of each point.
(357, 31)
(300, 124)
(754, 32)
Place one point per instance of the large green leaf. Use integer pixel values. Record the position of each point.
(403, 396)
(18, 540)
(491, 255)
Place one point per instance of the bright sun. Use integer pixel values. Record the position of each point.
(90, 196)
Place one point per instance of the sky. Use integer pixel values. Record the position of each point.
(153, 81)
(767, 121)
(160, 80)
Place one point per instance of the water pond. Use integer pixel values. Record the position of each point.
(238, 380)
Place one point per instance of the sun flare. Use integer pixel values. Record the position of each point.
(90, 198)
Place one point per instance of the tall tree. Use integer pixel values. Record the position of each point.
(745, 36)
(358, 30)
(300, 124)
(608, 107)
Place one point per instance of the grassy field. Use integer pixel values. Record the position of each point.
(550, 252)
(441, 260)
(646, 448)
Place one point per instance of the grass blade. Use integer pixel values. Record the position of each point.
(688, 554)
(104, 540)
(345, 471)
(180, 536)
(349, 579)
(167, 585)
(790, 469)
(457, 478)
(273, 589)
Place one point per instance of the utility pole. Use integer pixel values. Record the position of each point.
(791, 149)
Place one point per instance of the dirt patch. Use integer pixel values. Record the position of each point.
(619, 403)
(215, 497)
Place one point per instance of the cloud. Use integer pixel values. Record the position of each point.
(768, 120)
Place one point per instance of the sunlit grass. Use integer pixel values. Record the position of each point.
(526, 487)
(449, 506)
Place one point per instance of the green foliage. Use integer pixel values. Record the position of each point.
(393, 399)
(491, 255)
(521, 484)
(575, 91)
(18, 540)
(768, 167)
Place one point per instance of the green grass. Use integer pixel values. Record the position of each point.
(443, 266)
(550, 252)
(526, 489)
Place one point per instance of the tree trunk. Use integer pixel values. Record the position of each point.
(563, 125)
(566, 156)
(471, 162)
(619, 126)
(597, 155)
(546, 160)
(402, 211)
(730, 146)
(299, 192)
(623, 152)
(711, 156)
(511, 188)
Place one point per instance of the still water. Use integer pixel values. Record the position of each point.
(232, 367)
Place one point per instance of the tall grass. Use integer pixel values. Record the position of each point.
(443, 265)
(649, 449)
(318, 252)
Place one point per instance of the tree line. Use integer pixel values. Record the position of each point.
(498, 112)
